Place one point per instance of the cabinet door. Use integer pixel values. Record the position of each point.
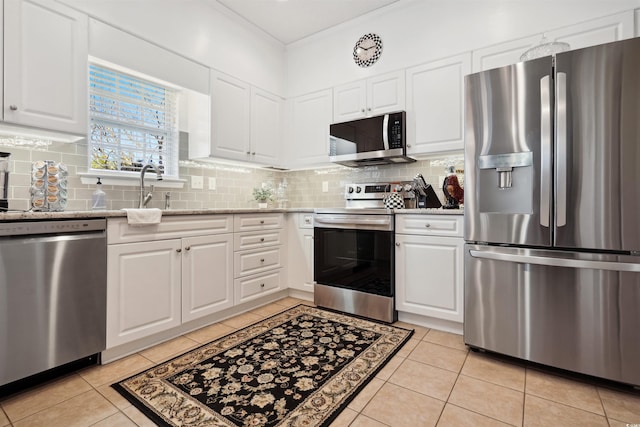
(45, 57)
(349, 101)
(429, 276)
(386, 93)
(143, 289)
(502, 54)
(230, 117)
(207, 275)
(300, 251)
(309, 137)
(435, 101)
(598, 31)
(266, 127)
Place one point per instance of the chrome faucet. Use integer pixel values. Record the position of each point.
(145, 199)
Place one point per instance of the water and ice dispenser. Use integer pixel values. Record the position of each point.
(506, 182)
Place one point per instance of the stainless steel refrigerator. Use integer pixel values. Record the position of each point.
(552, 213)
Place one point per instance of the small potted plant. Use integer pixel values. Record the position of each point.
(263, 195)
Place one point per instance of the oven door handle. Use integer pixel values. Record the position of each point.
(354, 221)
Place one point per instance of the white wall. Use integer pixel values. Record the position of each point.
(200, 30)
(418, 31)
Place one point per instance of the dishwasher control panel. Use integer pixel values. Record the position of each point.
(22, 228)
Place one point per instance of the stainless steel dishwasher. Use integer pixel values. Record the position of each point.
(53, 289)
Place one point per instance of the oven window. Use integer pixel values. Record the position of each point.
(360, 260)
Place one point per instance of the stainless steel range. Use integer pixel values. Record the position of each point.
(354, 253)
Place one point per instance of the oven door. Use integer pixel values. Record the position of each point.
(355, 252)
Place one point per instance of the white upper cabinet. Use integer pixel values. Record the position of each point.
(502, 54)
(371, 97)
(266, 127)
(435, 105)
(45, 66)
(245, 121)
(309, 119)
(603, 30)
(230, 117)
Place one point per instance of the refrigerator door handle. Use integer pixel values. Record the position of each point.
(545, 154)
(556, 262)
(561, 149)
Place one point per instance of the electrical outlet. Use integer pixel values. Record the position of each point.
(325, 186)
(197, 182)
(212, 183)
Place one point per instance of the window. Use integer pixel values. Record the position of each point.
(132, 122)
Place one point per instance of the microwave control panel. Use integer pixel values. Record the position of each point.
(395, 131)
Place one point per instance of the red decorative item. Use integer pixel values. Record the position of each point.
(452, 190)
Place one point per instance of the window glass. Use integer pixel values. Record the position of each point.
(132, 122)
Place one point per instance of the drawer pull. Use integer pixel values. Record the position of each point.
(261, 259)
(188, 248)
(427, 225)
(262, 285)
(262, 239)
(262, 221)
(178, 250)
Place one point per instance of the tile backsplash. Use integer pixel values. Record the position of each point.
(233, 184)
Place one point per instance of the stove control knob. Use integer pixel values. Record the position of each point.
(349, 190)
(358, 189)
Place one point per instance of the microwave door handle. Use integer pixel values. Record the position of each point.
(385, 131)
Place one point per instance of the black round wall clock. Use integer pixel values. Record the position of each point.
(367, 50)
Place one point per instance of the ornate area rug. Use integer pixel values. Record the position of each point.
(297, 368)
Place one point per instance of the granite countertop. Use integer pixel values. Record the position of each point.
(28, 215)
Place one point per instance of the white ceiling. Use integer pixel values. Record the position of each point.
(292, 20)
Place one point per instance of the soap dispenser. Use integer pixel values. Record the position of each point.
(99, 198)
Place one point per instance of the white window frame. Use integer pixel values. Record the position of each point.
(166, 158)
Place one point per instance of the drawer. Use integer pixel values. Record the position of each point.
(258, 221)
(171, 227)
(431, 225)
(256, 286)
(257, 239)
(256, 261)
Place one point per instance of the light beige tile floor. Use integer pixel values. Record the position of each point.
(433, 380)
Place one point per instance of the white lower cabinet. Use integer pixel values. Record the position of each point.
(429, 266)
(207, 275)
(300, 251)
(144, 288)
(158, 280)
(258, 256)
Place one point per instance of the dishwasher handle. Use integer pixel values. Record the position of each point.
(556, 262)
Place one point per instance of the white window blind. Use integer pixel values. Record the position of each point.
(132, 122)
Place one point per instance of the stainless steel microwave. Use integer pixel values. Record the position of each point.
(371, 141)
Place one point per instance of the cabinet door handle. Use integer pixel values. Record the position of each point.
(13, 107)
(253, 154)
(369, 109)
(398, 244)
(178, 250)
(187, 248)
(362, 110)
(248, 152)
